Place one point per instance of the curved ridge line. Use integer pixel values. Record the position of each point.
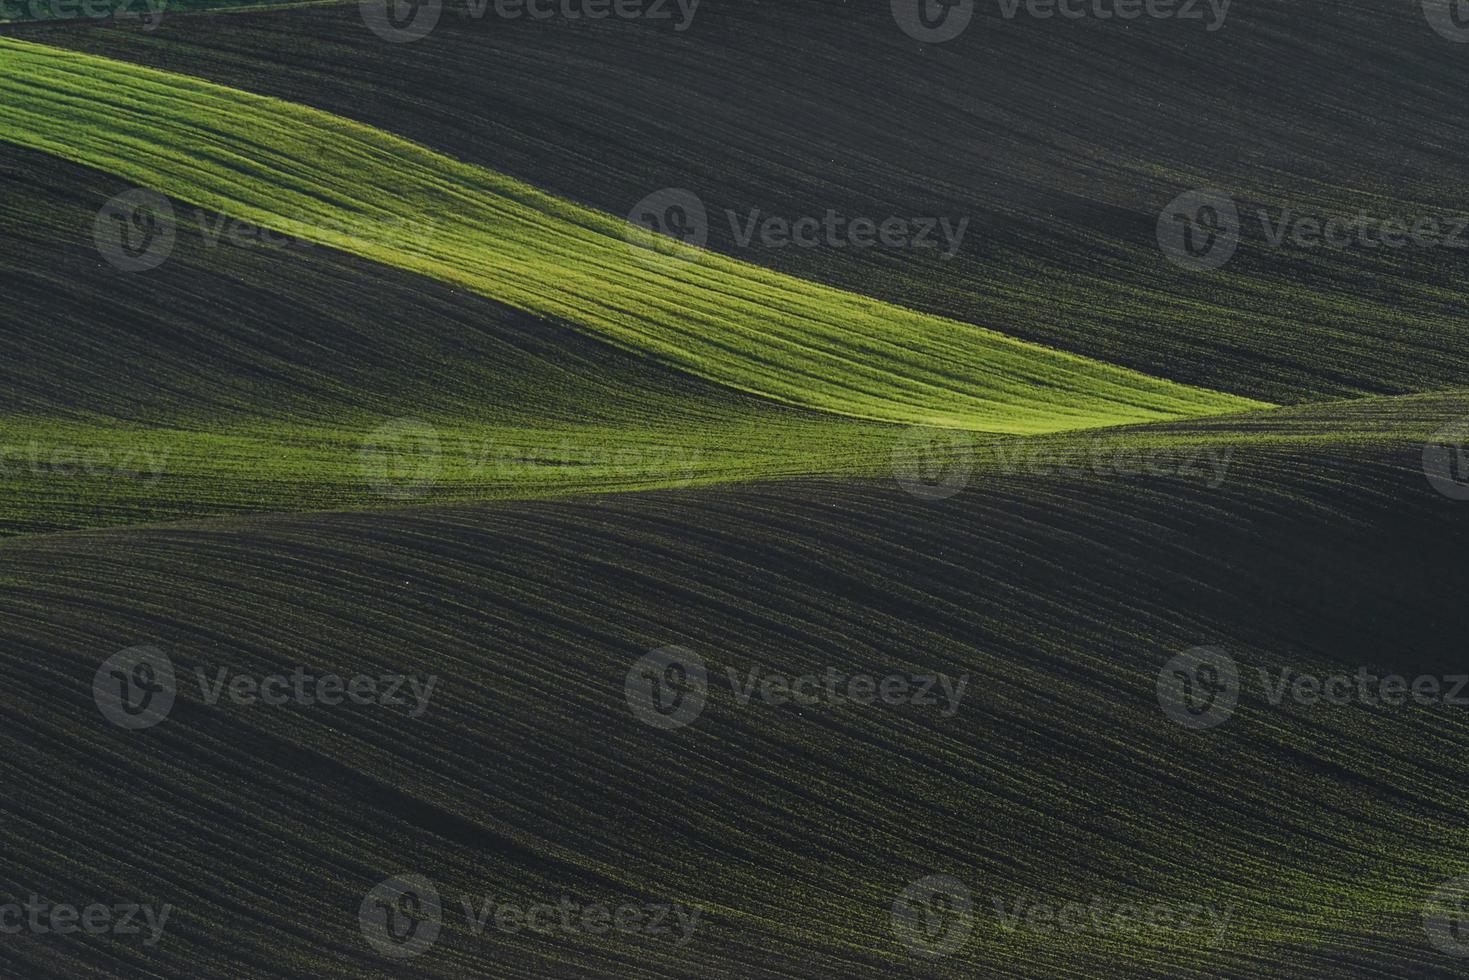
(256, 156)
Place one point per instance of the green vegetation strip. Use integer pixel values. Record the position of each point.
(1063, 184)
(74, 474)
(354, 187)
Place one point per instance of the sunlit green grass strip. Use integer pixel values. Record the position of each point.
(343, 183)
(63, 475)
(74, 474)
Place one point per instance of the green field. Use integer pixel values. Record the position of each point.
(1061, 173)
(463, 421)
(753, 330)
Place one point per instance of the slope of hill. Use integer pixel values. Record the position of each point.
(1060, 141)
(259, 375)
(402, 400)
(356, 188)
(1320, 831)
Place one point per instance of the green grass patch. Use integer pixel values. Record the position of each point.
(377, 195)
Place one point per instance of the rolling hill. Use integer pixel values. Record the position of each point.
(405, 394)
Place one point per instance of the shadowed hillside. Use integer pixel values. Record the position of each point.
(1061, 140)
(1320, 829)
(411, 539)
